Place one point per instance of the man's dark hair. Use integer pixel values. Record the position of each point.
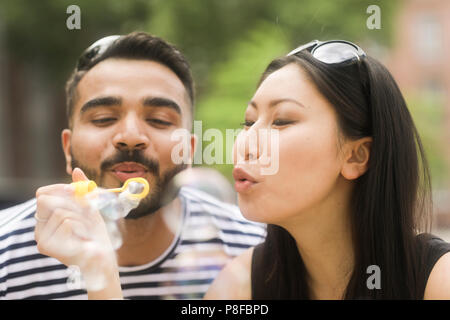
(136, 46)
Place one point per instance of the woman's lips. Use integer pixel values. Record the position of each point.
(126, 170)
(243, 180)
(243, 185)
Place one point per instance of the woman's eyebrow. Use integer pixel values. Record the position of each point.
(273, 103)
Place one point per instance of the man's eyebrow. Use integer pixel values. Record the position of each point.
(161, 102)
(101, 102)
(277, 101)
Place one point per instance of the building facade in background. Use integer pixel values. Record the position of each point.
(420, 62)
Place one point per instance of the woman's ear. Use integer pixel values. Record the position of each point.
(65, 139)
(356, 158)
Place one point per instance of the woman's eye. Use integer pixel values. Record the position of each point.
(103, 121)
(159, 122)
(247, 123)
(282, 122)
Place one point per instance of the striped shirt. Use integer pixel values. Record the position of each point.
(212, 233)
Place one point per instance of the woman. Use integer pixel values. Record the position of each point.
(351, 192)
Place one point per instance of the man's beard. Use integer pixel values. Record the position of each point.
(160, 194)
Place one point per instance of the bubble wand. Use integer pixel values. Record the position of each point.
(113, 204)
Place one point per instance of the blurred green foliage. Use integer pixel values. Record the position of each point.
(205, 30)
(234, 80)
(229, 43)
(427, 110)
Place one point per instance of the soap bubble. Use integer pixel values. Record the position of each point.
(209, 186)
(114, 206)
(206, 180)
(134, 187)
(205, 183)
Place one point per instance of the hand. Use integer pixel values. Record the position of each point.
(73, 233)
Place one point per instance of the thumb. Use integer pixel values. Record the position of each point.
(78, 175)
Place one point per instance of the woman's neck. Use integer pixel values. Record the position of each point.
(324, 239)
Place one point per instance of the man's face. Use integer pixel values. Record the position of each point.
(123, 118)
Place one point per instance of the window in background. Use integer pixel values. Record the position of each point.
(428, 39)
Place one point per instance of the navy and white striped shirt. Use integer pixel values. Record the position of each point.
(213, 232)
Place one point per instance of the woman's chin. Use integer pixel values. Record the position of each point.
(251, 210)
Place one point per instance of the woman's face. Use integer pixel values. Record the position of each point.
(307, 151)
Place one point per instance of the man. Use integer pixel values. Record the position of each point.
(125, 98)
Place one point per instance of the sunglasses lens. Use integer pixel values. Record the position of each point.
(335, 52)
(96, 49)
(308, 46)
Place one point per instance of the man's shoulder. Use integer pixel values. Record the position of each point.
(17, 228)
(220, 220)
(202, 202)
(24, 272)
(203, 198)
(11, 218)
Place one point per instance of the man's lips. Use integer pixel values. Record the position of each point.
(129, 167)
(126, 170)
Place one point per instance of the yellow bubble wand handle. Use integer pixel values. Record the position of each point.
(136, 196)
(84, 187)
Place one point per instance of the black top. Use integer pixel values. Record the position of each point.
(430, 249)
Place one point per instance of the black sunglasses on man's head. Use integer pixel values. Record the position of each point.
(95, 50)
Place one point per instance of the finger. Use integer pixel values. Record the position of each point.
(46, 204)
(78, 175)
(55, 189)
(64, 243)
(46, 232)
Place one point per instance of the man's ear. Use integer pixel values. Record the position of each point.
(65, 139)
(356, 158)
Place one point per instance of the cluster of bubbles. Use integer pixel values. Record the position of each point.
(115, 206)
(206, 183)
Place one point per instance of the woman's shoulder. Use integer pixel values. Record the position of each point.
(234, 281)
(438, 284)
(436, 265)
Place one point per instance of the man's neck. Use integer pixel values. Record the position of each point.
(147, 238)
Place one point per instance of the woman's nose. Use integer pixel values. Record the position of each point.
(247, 145)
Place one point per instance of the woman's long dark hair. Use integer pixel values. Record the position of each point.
(391, 201)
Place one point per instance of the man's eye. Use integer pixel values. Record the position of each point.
(159, 122)
(247, 123)
(103, 121)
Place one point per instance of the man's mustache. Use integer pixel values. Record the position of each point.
(134, 156)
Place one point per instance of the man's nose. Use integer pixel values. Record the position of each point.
(131, 135)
